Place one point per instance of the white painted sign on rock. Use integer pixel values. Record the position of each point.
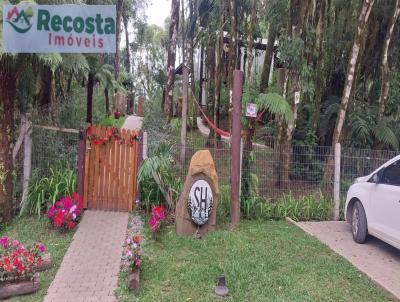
(200, 202)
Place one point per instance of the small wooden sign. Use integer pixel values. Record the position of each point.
(251, 110)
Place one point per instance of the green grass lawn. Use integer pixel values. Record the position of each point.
(262, 261)
(28, 230)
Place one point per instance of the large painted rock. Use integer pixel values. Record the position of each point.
(196, 209)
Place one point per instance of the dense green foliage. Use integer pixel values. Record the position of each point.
(45, 191)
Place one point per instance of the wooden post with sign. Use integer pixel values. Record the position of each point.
(235, 147)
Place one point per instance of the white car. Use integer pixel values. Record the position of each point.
(373, 204)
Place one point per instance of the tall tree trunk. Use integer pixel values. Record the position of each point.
(348, 86)
(298, 13)
(173, 33)
(69, 82)
(219, 65)
(385, 85)
(250, 56)
(192, 18)
(211, 79)
(8, 79)
(183, 32)
(320, 82)
(89, 98)
(127, 51)
(118, 38)
(47, 88)
(267, 61)
(107, 99)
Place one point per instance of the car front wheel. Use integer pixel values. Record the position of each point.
(359, 223)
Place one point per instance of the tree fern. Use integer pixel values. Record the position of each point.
(275, 104)
(385, 134)
(53, 60)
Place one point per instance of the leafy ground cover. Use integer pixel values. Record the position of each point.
(31, 229)
(262, 261)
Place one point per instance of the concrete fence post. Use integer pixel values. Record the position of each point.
(145, 147)
(336, 186)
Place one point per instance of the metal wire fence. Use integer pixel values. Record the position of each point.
(273, 171)
(51, 150)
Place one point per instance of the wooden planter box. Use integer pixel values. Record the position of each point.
(8, 290)
(134, 280)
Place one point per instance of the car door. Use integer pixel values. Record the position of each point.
(384, 219)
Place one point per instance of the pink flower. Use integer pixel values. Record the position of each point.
(4, 242)
(153, 223)
(15, 243)
(159, 212)
(42, 248)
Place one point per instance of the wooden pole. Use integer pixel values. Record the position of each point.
(185, 89)
(81, 160)
(336, 186)
(235, 147)
(27, 156)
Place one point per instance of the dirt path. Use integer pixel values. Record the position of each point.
(133, 122)
(376, 259)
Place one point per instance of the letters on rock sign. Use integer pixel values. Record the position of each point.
(196, 210)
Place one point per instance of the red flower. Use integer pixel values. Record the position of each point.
(71, 225)
(20, 268)
(137, 238)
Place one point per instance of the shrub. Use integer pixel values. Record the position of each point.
(18, 262)
(66, 212)
(45, 191)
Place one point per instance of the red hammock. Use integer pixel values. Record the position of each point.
(210, 123)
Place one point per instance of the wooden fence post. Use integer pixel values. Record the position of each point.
(235, 147)
(336, 185)
(81, 161)
(139, 162)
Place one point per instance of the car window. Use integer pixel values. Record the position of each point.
(391, 174)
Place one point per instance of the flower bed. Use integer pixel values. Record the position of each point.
(66, 212)
(18, 267)
(132, 257)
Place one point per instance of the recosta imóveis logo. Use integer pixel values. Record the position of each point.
(20, 20)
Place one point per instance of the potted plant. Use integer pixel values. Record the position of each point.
(19, 265)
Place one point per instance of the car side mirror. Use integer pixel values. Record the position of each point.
(375, 178)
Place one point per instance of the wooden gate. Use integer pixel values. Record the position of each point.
(111, 163)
